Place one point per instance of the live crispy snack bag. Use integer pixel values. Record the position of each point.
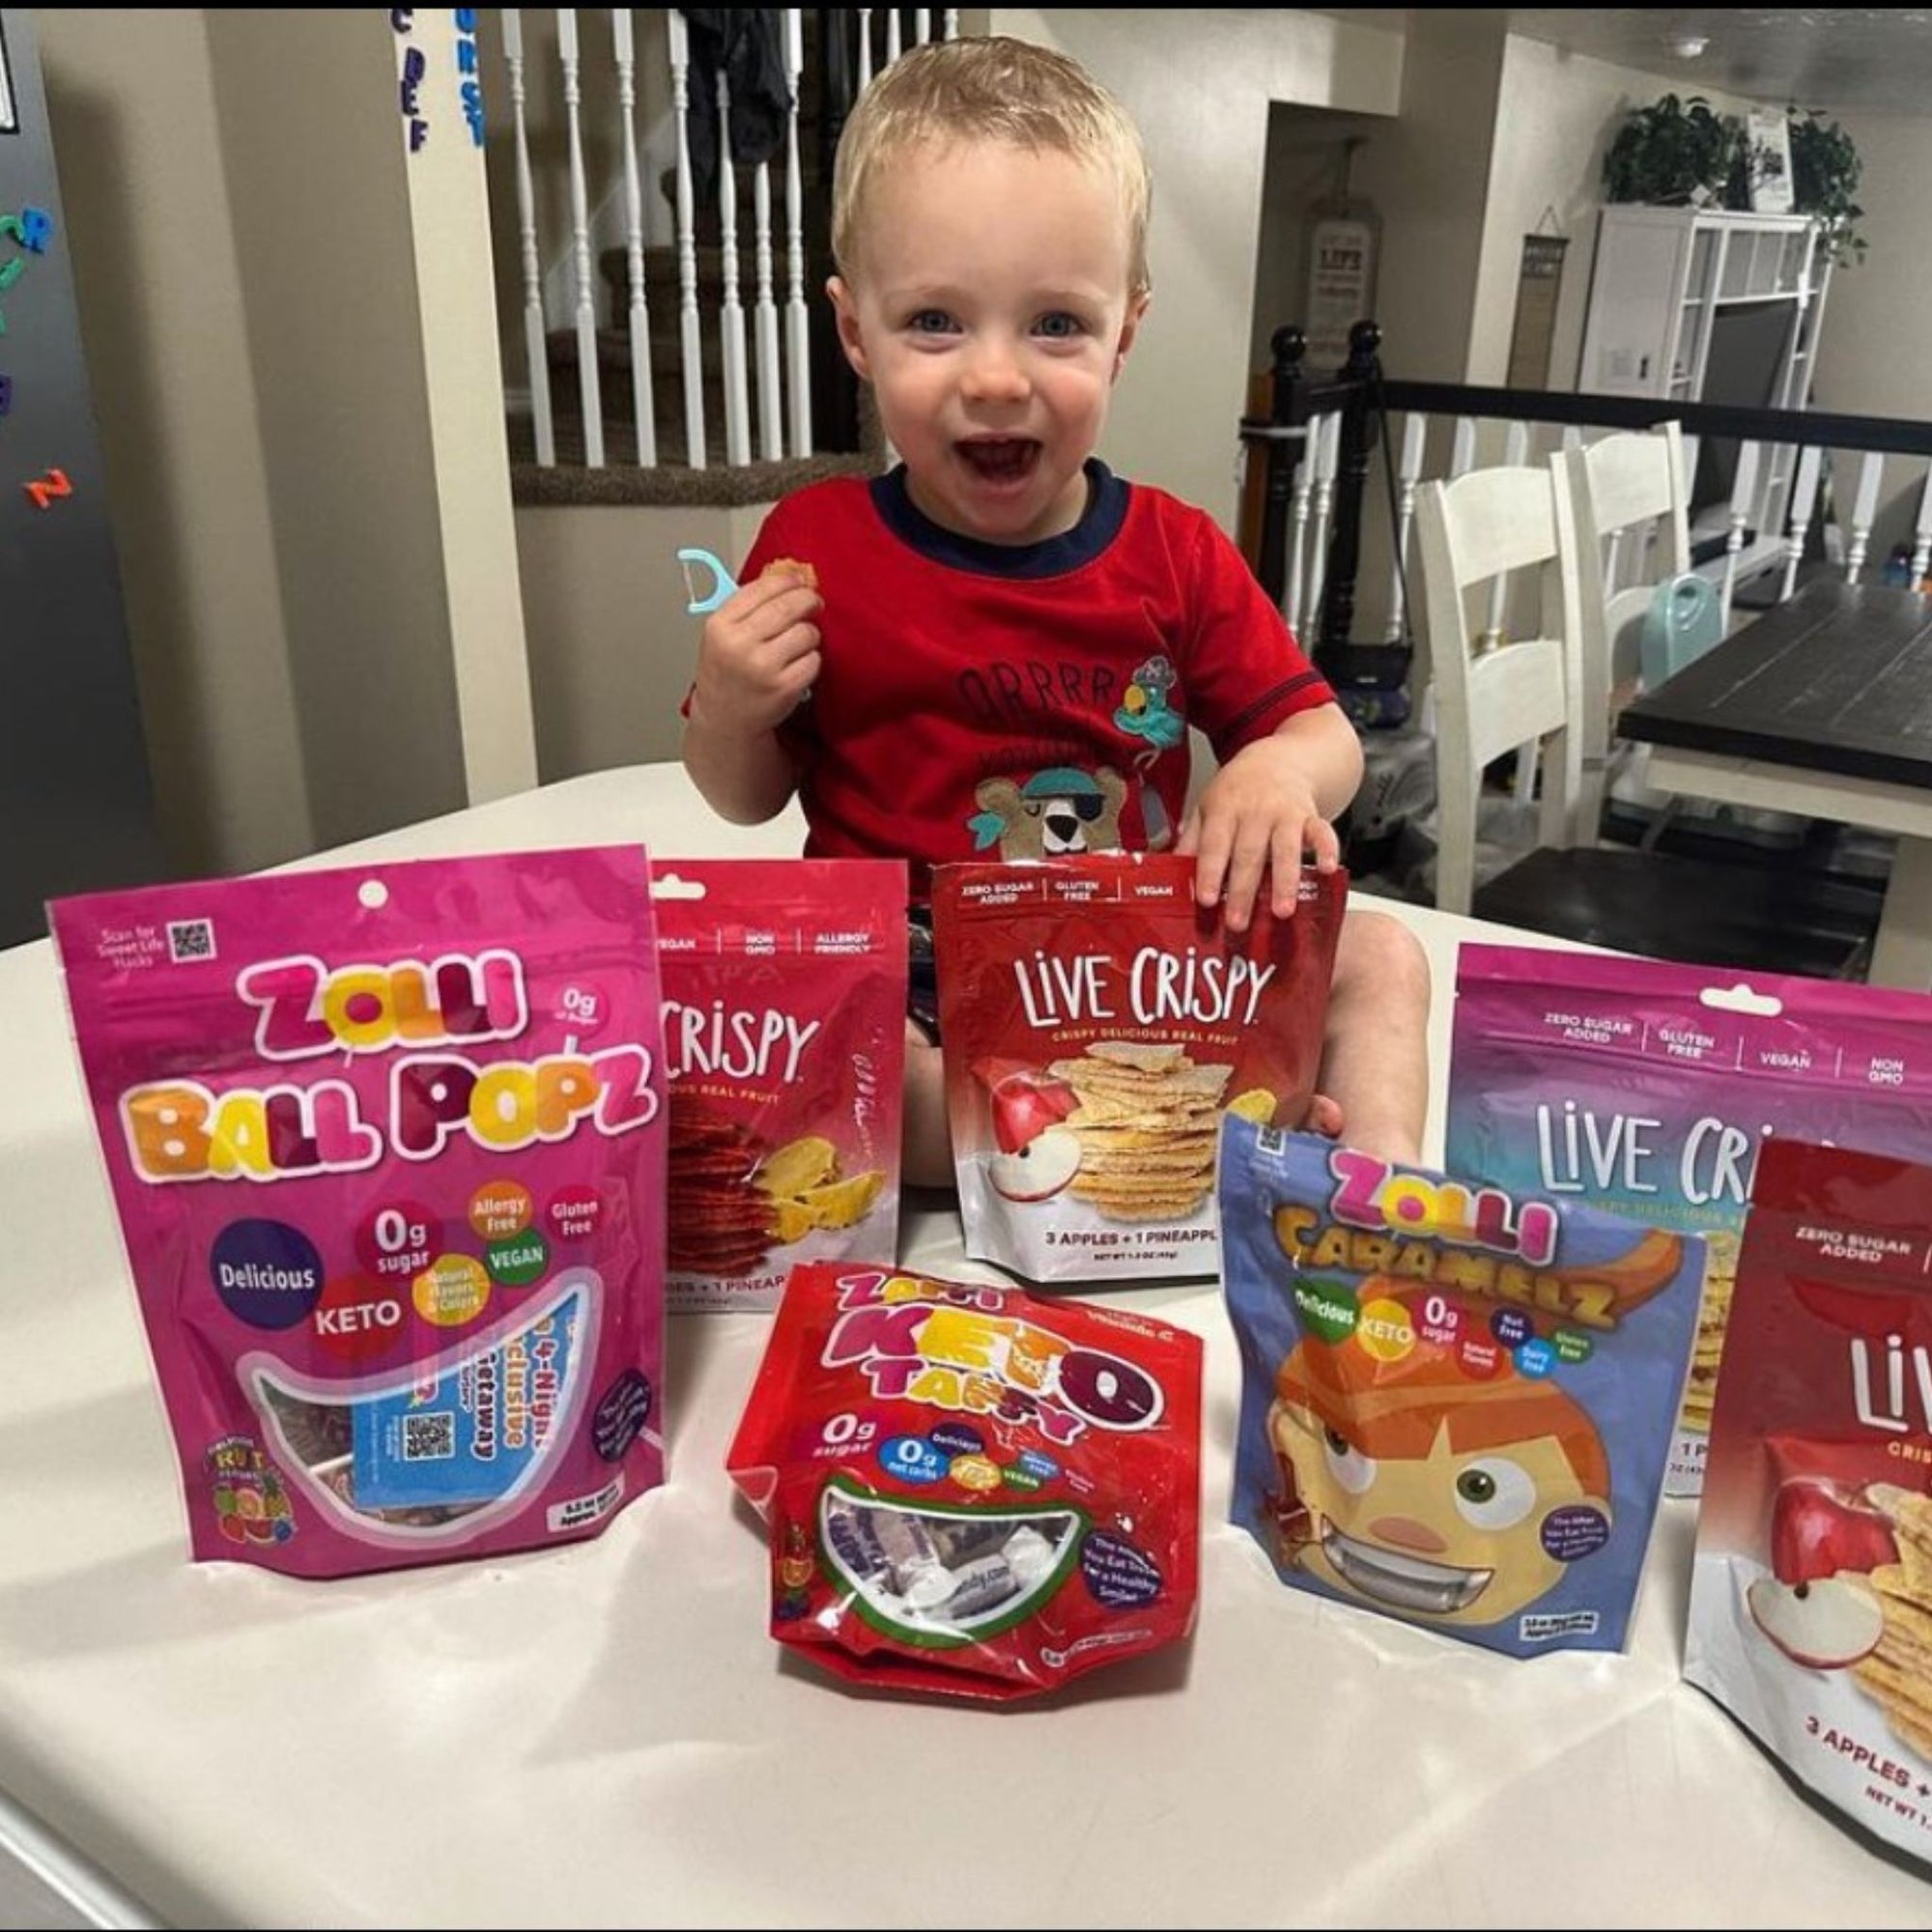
(387, 1143)
(1811, 1592)
(784, 991)
(1097, 1024)
(968, 1491)
(1648, 1088)
(1456, 1401)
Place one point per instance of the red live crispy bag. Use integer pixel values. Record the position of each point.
(1811, 1595)
(784, 994)
(1097, 1023)
(969, 1490)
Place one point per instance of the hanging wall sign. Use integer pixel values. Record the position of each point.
(1539, 282)
(1341, 286)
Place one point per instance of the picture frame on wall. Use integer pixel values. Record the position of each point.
(1769, 166)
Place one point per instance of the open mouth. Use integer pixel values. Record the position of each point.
(1405, 1582)
(1005, 459)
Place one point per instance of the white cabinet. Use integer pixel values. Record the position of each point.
(1703, 305)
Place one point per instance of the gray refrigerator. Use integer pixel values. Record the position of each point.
(77, 803)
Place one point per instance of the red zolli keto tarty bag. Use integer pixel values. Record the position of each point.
(969, 1491)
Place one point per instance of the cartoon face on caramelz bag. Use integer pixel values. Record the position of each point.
(1403, 1485)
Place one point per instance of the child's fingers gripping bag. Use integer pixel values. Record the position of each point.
(1648, 1088)
(1097, 1024)
(386, 1144)
(1811, 1594)
(1455, 1403)
(784, 990)
(969, 1491)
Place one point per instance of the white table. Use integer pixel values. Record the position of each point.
(606, 1735)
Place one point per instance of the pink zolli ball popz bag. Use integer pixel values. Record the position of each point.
(387, 1146)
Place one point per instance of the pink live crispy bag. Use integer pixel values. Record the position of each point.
(386, 1144)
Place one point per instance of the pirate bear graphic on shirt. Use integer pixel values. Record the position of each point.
(1062, 811)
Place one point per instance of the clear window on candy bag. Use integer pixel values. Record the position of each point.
(937, 1576)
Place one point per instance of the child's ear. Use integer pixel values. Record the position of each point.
(845, 307)
(1129, 329)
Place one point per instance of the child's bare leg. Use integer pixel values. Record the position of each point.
(926, 1158)
(1374, 1050)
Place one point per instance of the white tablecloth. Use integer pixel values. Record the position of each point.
(605, 1734)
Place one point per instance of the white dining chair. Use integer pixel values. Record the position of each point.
(1492, 698)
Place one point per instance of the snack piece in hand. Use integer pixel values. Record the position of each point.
(794, 567)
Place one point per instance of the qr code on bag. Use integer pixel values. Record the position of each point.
(191, 940)
(428, 1437)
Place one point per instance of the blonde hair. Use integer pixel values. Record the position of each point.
(988, 89)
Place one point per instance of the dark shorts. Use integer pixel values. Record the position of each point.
(922, 977)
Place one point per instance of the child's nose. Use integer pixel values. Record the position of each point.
(995, 372)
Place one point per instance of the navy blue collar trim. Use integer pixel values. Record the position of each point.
(1053, 556)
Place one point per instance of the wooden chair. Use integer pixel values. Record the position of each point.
(1550, 696)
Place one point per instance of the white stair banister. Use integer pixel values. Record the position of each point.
(730, 311)
(1864, 507)
(643, 402)
(894, 35)
(1297, 536)
(1462, 448)
(1408, 474)
(690, 329)
(587, 387)
(865, 14)
(798, 338)
(536, 349)
(1327, 454)
(765, 322)
(1743, 495)
(1803, 497)
(922, 26)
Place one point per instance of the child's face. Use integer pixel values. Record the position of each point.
(989, 310)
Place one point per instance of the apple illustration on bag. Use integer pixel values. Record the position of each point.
(1816, 1606)
(1038, 1157)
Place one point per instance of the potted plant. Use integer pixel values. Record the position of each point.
(1674, 153)
(1825, 171)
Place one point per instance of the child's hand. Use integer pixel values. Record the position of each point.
(1258, 814)
(759, 655)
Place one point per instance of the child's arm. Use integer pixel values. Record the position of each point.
(758, 657)
(1270, 803)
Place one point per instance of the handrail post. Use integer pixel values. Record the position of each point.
(1288, 346)
(1345, 544)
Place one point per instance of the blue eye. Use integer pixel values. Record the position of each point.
(930, 322)
(1058, 325)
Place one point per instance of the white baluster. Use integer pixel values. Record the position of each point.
(865, 14)
(1744, 489)
(1462, 448)
(1864, 507)
(953, 23)
(1408, 474)
(536, 351)
(798, 338)
(730, 311)
(644, 403)
(587, 387)
(1516, 444)
(1327, 451)
(765, 322)
(1299, 504)
(1573, 437)
(895, 37)
(690, 329)
(922, 26)
(1921, 535)
(1803, 499)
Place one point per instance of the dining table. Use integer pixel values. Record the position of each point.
(1822, 705)
(605, 1734)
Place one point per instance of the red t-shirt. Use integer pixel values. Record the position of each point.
(980, 700)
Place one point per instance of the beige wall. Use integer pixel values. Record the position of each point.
(1555, 116)
(166, 332)
(287, 333)
(611, 645)
(1200, 85)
